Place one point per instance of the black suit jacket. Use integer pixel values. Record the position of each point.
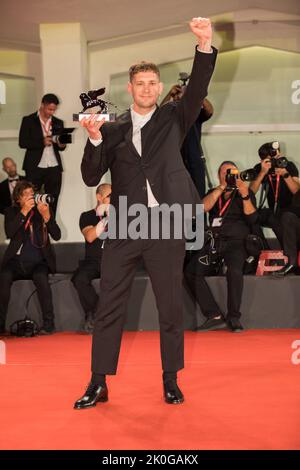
(161, 162)
(5, 198)
(14, 224)
(31, 138)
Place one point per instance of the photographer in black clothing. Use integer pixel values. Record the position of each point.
(232, 212)
(92, 224)
(29, 254)
(279, 181)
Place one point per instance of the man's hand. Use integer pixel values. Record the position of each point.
(201, 27)
(26, 204)
(280, 171)
(44, 211)
(93, 126)
(48, 141)
(265, 166)
(242, 187)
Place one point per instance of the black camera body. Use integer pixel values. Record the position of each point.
(232, 174)
(280, 162)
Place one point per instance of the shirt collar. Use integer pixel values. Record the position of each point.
(138, 119)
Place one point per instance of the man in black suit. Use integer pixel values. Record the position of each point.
(42, 163)
(29, 254)
(142, 150)
(7, 186)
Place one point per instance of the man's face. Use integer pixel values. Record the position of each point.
(48, 109)
(223, 172)
(10, 168)
(104, 198)
(26, 194)
(145, 89)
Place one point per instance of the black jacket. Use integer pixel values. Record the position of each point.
(14, 224)
(161, 162)
(31, 138)
(5, 198)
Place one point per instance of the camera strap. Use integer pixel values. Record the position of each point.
(223, 208)
(29, 225)
(275, 190)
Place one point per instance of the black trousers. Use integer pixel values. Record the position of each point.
(290, 224)
(163, 260)
(15, 270)
(234, 254)
(267, 218)
(51, 179)
(82, 281)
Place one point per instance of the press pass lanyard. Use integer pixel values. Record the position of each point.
(44, 232)
(223, 209)
(275, 190)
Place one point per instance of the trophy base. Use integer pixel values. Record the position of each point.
(107, 116)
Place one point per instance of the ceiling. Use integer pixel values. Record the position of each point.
(105, 20)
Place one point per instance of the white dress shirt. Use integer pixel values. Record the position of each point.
(48, 158)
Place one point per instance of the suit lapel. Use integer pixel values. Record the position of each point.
(126, 127)
(147, 134)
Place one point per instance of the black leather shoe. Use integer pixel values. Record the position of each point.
(172, 393)
(287, 269)
(93, 395)
(212, 324)
(235, 325)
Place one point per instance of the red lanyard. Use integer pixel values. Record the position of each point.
(47, 129)
(28, 221)
(223, 209)
(276, 190)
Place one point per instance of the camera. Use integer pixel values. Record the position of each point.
(62, 135)
(43, 198)
(233, 174)
(280, 162)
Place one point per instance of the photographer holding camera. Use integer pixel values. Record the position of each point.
(232, 213)
(279, 180)
(29, 255)
(39, 136)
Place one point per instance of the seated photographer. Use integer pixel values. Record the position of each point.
(191, 150)
(92, 224)
(279, 181)
(29, 255)
(232, 213)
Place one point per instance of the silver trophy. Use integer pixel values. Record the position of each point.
(91, 100)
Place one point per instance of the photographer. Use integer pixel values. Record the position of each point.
(42, 162)
(92, 224)
(279, 181)
(7, 186)
(29, 255)
(232, 213)
(191, 150)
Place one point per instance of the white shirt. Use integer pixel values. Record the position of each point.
(48, 158)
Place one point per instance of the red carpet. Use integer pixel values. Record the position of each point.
(242, 392)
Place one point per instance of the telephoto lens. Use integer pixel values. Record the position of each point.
(43, 198)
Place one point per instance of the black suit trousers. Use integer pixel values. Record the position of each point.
(82, 281)
(163, 260)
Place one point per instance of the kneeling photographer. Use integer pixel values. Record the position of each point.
(278, 179)
(232, 213)
(29, 255)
